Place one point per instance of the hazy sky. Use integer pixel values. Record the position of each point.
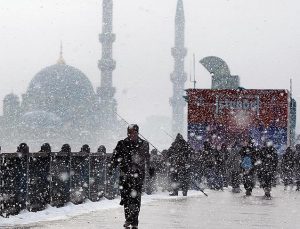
(259, 39)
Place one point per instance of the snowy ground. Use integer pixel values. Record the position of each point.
(218, 210)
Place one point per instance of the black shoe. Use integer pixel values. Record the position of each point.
(126, 225)
(122, 202)
(267, 195)
(173, 194)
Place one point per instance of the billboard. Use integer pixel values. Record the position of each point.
(227, 116)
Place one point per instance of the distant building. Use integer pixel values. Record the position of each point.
(228, 113)
(60, 105)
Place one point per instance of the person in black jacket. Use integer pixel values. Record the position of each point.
(180, 153)
(248, 159)
(208, 162)
(153, 170)
(287, 167)
(269, 161)
(297, 167)
(132, 157)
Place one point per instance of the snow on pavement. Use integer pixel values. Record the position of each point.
(221, 209)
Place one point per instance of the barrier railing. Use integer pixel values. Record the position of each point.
(33, 180)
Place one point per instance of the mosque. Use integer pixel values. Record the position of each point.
(60, 105)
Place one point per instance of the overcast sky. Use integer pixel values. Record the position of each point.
(259, 39)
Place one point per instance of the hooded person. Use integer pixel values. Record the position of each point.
(180, 153)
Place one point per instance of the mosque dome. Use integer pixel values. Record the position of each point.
(40, 119)
(60, 89)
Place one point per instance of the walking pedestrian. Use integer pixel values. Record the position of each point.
(234, 167)
(248, 158)
(132, 157)
(287, 167)
(297, 167)
(269, 161)
(180, 153)
(208, 161)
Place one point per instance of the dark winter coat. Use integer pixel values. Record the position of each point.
(269, 159)
(208, 158)
(288, 160)
(234, 161)
(180, 154)
(132, 158)
(221, 159)
(297, 165)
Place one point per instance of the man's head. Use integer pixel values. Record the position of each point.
(133, 132)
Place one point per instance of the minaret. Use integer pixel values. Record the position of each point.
(178, 77)
(61, 58)
(106, 91)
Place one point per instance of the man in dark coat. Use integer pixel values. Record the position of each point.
(132, 157)
(180, 165)
(287, 167)
(222, 161)
(269, 160)
(248, 159)
(234, 167)
(153, 170)
(297, 167)
(208, 162)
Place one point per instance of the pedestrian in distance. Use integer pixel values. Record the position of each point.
(297, 167)
(153, 169)
(208, 161)
(234, 167)
(180, 153)
(287, 168)
(132, 157)
(269, 160)
(248, 159)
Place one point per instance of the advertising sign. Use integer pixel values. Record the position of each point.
(228, 116)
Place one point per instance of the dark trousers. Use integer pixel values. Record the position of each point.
(266, 178)
(180, 179)
(235, 179)
(248, 180)
(288, 177)
(132, 209)
(131, 193)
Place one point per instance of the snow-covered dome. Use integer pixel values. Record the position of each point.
(60, 89)
(40, 119)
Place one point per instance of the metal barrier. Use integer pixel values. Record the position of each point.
(79, 175)
(98, 175)
(33, 180)
(14, 169)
